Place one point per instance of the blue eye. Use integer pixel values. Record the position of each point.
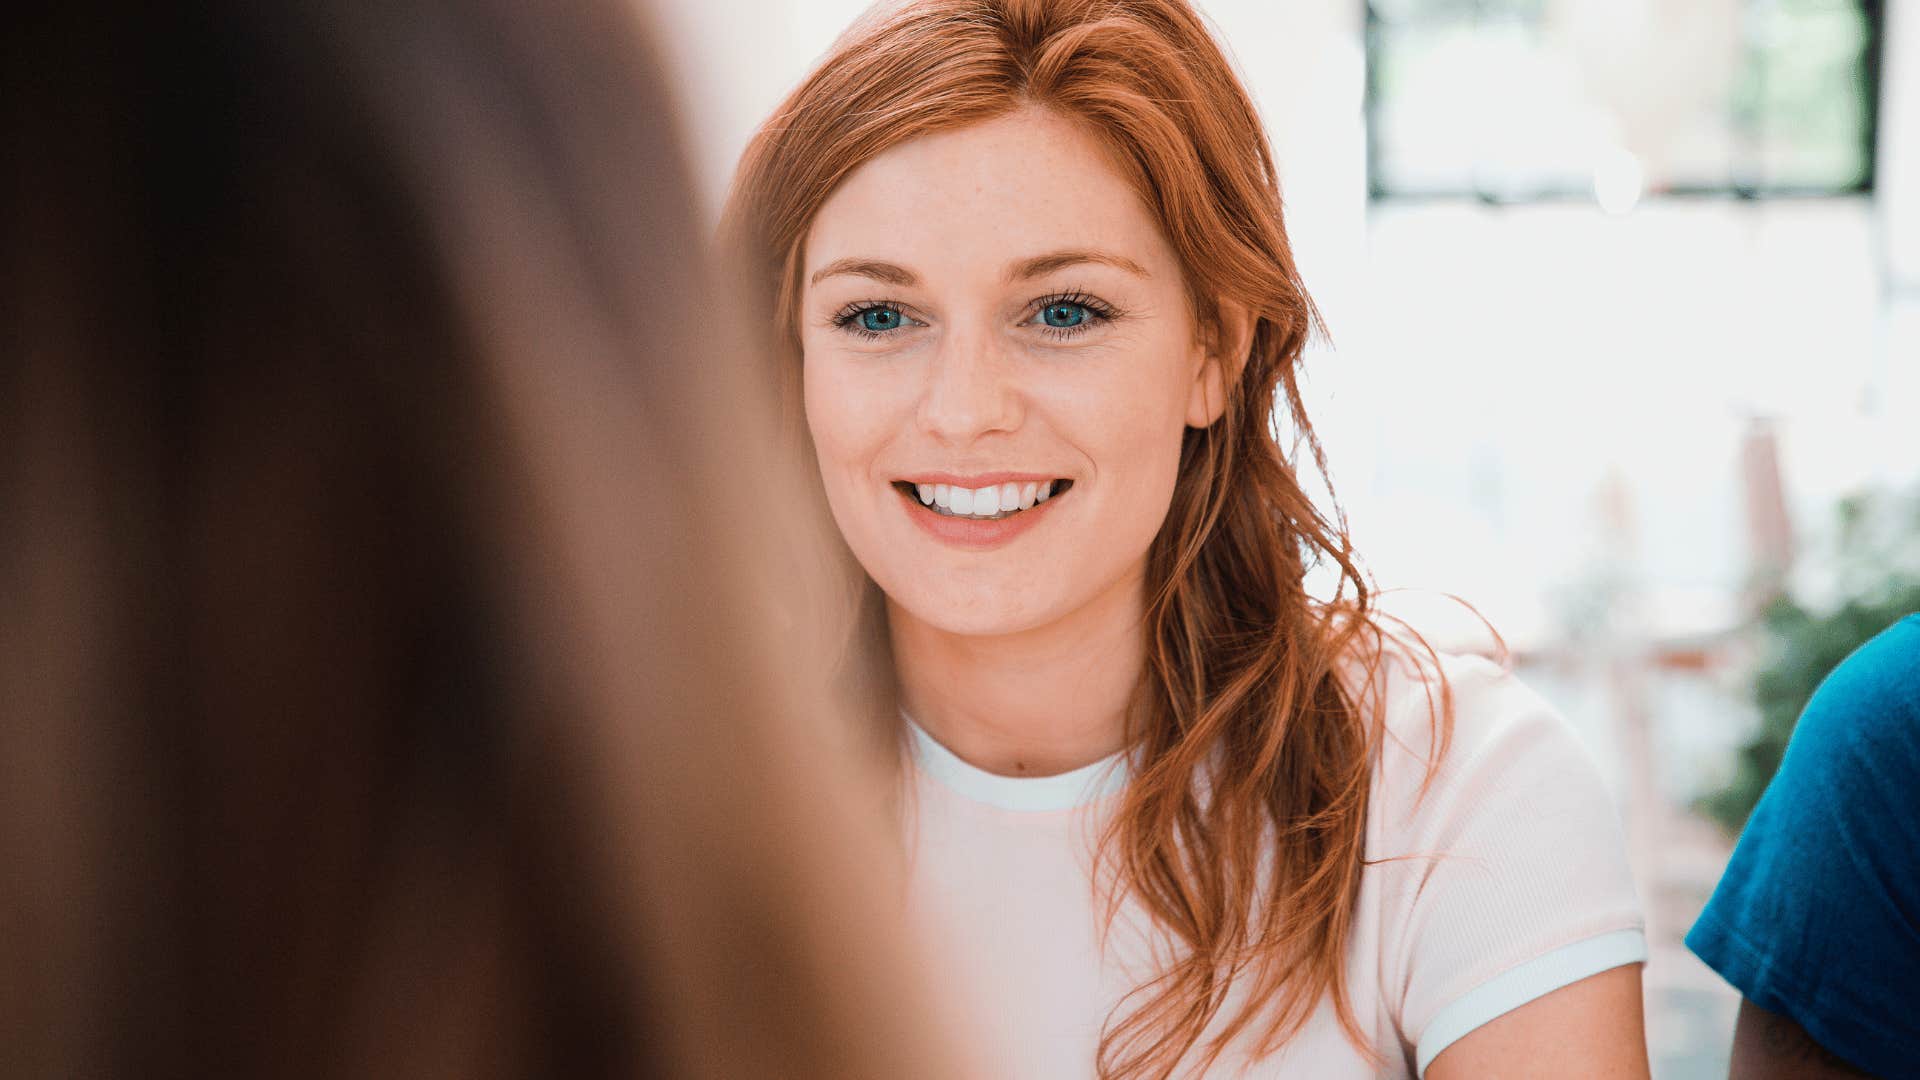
(1070, 314)
(1064, 315)
(877, 319)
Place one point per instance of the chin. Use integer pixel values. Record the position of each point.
(970, 613)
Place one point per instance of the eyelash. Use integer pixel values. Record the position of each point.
(1101, 312)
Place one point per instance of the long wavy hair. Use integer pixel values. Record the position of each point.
(1242, 831)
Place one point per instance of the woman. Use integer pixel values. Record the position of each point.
(383, 692)
(1170, 814)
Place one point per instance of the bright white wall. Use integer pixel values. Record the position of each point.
(734, 60)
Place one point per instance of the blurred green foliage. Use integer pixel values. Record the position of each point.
(1802, 94)
(1872, 578)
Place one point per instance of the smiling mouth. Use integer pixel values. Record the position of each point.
(1004, 500)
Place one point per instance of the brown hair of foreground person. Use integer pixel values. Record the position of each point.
(386, 682)
(1241, 694)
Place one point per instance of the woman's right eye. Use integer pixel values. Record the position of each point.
(871, 320)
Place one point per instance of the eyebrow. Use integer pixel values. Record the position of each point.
(893, 274)
(1056, 260)
(867, 268)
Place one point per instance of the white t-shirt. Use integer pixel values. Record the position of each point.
(1531, 891)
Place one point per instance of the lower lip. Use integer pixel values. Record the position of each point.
(972, 533)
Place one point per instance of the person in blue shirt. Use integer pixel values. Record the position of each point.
(1817, 919)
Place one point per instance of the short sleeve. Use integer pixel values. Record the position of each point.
(1818, 914)
(1507, 877)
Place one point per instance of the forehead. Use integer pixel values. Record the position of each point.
(967, 202)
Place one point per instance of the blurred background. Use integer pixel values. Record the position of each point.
(1623, 300)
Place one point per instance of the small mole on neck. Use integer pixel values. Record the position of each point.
(1019, 766)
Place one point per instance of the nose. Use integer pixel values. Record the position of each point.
(970, 390)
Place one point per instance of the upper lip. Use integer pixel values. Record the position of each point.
(978, 480)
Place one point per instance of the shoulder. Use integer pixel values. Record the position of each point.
(1478, 776)
(1811, 919)
(1854, 757)
(1869, 704)
(1494, 845)
(1455, 724)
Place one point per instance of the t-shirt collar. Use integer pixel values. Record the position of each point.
(1063, 791)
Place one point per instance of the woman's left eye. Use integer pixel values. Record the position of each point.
(1065, 316)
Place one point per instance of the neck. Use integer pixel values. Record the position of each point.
(1037, 702)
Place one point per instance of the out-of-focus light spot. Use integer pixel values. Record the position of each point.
(1618, 181)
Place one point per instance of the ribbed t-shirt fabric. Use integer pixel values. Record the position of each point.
(1506, 880)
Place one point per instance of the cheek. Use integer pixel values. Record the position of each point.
(841, 417)
(1132, 428)
(1131, 418)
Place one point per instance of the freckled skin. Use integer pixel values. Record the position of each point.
(1022, 657)
(978, 388)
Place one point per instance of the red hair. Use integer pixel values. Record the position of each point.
(1242, 831)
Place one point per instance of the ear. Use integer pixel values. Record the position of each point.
(1221, 353)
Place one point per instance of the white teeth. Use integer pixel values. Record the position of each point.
(986, 503)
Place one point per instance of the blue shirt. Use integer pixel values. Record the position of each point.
(1818, 915)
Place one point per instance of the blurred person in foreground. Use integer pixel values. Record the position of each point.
(387, 686)
(1817, 919)
(1168, 813)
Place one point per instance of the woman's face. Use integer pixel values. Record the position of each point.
(987, 313)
